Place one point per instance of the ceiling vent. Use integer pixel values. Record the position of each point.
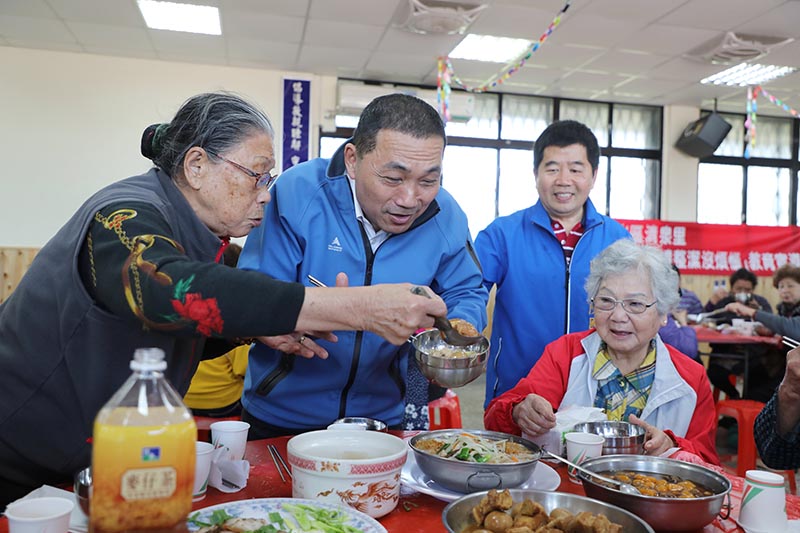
(440, 17)
(734, 48)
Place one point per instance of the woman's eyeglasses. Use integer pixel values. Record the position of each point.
(631, 305)
(267, 179)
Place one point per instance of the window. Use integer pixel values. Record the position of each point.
(761, 190)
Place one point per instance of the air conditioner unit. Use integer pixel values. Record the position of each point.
(734, 48)
(440, 17)
(353, 97)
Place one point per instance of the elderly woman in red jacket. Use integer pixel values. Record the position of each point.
(622, 366)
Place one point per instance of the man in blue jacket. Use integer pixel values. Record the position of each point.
(539, 257)
(374, 212)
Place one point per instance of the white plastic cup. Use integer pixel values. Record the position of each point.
(580, 447)
(202, 467)
(39, 515)
(231, 434)
(763, 502)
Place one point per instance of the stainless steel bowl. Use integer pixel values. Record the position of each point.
(621, 437)
(664, 514)
(448, 372)
(457, 516)
(82, 488)
(465, 477)
(371, 424)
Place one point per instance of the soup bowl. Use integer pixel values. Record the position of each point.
(664, 514)
(621, 437)
(358, 468)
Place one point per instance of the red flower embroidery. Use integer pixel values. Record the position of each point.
(204, 312)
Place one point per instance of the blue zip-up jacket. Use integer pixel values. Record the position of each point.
(539, 297)
(310, 227)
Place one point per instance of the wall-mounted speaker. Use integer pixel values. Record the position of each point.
(701, 137)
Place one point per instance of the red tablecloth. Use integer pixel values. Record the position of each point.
(728, 336)
(424, 514)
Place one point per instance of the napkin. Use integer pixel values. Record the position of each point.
(228, 475)
(78, 522)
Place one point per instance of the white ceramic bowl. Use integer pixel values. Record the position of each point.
(354, 467)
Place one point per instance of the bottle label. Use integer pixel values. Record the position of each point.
(145, 483)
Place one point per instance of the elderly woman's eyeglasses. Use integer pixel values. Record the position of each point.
(631, 305)
(267, 179)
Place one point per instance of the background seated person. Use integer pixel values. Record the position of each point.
(674, 331)
(743, 282)
(216, 388)
(621, 366)
(689, 302)
(767, 370)
(778, 425)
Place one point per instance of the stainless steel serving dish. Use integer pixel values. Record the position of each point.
(621, 437)
(448, 372)
(664, 514)
(465, 477)
(457, 515)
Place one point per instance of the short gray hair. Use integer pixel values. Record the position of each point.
(624, 256)
(214, 121)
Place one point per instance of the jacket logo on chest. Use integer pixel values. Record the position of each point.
(335, 245)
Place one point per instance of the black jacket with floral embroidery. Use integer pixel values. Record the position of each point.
(133, 267)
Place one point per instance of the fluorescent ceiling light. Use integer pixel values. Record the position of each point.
(490, 48)
(745, 74)
(180, 17)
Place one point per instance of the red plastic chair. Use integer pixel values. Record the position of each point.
(445, 413)
(745, 413)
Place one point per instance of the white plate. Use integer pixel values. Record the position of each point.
(261, 507)
(543, 478)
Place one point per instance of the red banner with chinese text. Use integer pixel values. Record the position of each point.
(714, 249)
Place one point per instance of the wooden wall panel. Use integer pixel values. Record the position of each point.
(14, 262)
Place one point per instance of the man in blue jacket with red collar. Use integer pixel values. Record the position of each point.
(539, 257)
(374, 212)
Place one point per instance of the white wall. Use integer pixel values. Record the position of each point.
(71, 123)
(679, 171)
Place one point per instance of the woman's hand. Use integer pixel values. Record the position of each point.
(656, 442)
(741, 309)
(299, 343)
(534, 415)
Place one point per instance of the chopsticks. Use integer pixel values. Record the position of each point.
(279, 462)
(790, 342)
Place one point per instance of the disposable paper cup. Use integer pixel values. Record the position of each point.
(580, 447)
(232, 435)
(763, 503)
(39, 515)
(202, 467)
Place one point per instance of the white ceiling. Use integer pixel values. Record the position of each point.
(608, 50)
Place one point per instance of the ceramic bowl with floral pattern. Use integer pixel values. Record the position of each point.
(355, 467)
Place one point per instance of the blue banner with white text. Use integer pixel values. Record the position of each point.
(296, 111)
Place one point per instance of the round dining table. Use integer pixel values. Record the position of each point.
(415, 512)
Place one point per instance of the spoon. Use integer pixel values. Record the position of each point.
(626, 488)
(450, 335)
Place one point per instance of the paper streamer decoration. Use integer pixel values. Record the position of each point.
(446, 75)
(752, 109)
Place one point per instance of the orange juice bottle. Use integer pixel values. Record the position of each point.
(143, 452)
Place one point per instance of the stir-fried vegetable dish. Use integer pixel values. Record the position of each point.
(473, 448)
